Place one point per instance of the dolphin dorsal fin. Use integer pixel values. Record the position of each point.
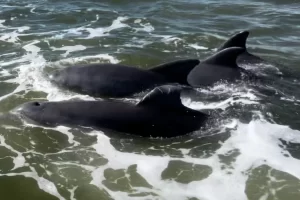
(226, 57)
(166, 96)
(176, 71)
(237, 40)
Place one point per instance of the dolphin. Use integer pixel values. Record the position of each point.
(160, 113)
(239, 40)
(116, 80)
(220, 66)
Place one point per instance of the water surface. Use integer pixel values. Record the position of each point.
(251, 149)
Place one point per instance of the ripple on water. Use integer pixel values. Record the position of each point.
(239, 155)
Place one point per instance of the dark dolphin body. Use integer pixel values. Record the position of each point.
(220, 66)
(159, 114)
(239, 40)
(114, 80)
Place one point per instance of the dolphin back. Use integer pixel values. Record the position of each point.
(177, 71)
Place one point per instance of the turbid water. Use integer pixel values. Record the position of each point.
(250, 150)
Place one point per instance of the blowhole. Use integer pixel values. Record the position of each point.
(36, 104)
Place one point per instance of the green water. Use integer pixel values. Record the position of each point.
(249, 151)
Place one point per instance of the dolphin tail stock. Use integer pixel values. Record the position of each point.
(163, 96)
(167, 97)
(176, 71)
(237, 40)
(249, 58)
(226, 57)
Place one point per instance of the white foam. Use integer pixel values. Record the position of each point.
(197, 47)
(69, 49)
(12, 37)
(86, 167)
(49, 187)
(137, 21)
(30, 73)
(216, 105)
(96, 58)
(93, 32)
(146, 27)
(4, 73)
(32, 7)
(98, 32)
(97, 18)
(170, 39)
(117, 161)
(43, 183)
(202, 105)
(19, 160)
(62, 129)
(72, 191)
(23, 28)
(32, 78)
(136, 42)
(235, 95)
(291, 99)
(262, 69)
(6, 54)
(67, 132)
(257, 143)
(1, 23)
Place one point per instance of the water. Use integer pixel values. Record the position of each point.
(251, 149)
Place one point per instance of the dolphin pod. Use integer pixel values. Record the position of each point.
(160, 113)
(117, 81)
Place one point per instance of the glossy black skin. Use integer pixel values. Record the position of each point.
(159, 114)
(176, 71)
(114, 80)
(239, 40)
(219, 67)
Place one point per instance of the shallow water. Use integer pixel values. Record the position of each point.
(251, 149)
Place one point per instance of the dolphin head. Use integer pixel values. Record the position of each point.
(38, 112)
(58, 77)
